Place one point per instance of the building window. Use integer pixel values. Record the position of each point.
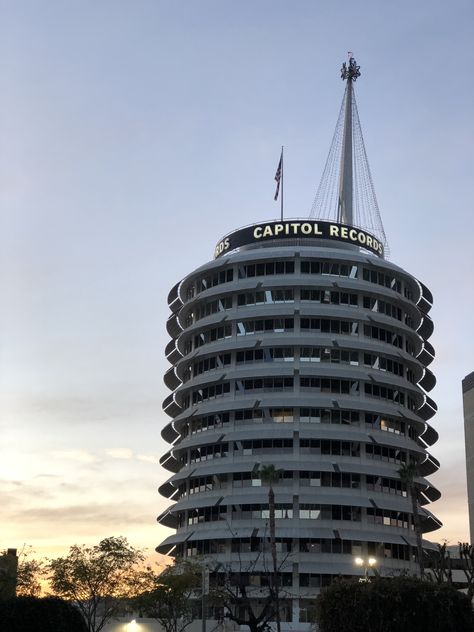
(212, 363)
(210, 422)
(263, 446)
(385, 485)
(328, 296)
(246, 479)
(211, 280)
(329, 326)
(209, 452)
(328, 385)
(265, 354)
(384, 335)
(282, 415)
(382, 363)
(206, 514)
(389, 424)
(325, 545)
(213, 307)
(382, 307)
(384, 453)
(333, 355)
(329, 268)
(210, 392)
(256, 512)
(249, 414)
(266, 384)
(384, 392)
(203, 484)
(308, 610)
(262, 297)
(380, 278)
(310, 511)
(211, 335)
(275, 325)
(266, 269)
(330, 446)
(328, 416)
(387, 517)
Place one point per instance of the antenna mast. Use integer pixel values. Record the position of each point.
(346, 192)
(349, 73)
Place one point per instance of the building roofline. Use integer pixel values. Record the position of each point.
(468, 382)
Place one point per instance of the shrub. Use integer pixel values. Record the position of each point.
(31, 614)
(401, 604)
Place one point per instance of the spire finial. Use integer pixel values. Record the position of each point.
(350, 70)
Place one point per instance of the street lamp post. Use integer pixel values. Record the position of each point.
(370, 562)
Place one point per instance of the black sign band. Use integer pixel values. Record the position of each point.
(303, 229)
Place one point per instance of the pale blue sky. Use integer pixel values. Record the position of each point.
(133, 135)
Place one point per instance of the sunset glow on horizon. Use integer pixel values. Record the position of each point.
(135, 135)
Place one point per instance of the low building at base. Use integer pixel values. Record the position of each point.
(468, 406)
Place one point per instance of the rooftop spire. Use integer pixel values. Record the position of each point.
(349, 73)
(346, 193)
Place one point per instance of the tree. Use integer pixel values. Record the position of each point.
(270, 475)
(439, 564)
(398, 604)
(19, 575)
(408, 473)
(466, 554)
(29, 574)
(100, 579)
(250, 590)
(244, 604)
(170, 601)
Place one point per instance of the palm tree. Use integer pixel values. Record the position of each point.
(270, 475)
(408, 472)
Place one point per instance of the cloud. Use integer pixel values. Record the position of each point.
(119, 453)
(110, 514)
(127, 453)
(146, 458)
(77, 410)
(80, 455)
(16, 493)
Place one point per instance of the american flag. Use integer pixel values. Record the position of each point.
(278, 175)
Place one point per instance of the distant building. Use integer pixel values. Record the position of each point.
(468, 403)
(8, 573)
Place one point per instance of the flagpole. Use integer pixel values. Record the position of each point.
(282, 170)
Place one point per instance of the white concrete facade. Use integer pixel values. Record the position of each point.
(312, 357)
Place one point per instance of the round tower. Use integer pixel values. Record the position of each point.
(299, 346)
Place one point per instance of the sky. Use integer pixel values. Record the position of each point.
(133, 135)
